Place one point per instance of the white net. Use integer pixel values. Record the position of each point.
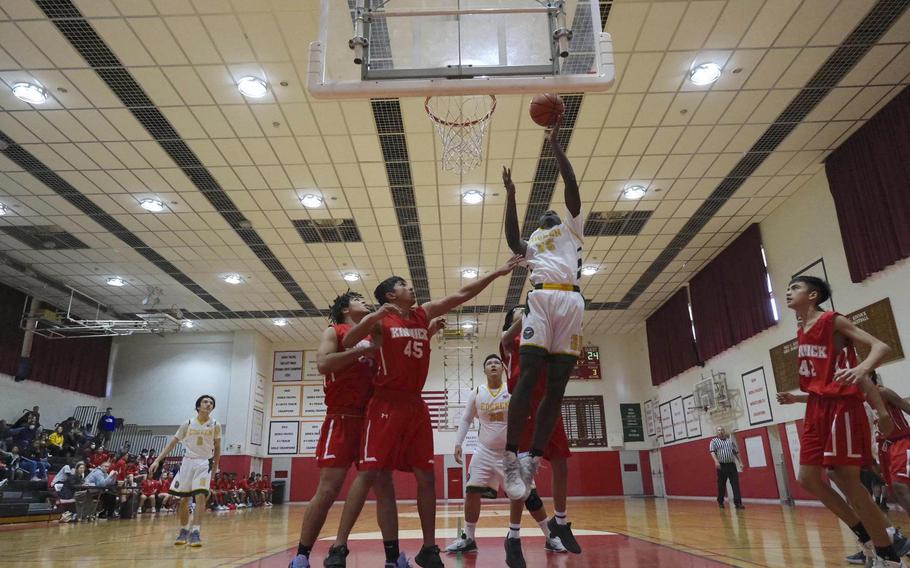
(461, 122)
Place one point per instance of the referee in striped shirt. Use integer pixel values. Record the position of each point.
(726, 459)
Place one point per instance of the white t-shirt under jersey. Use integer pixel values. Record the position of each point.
(554, 255)
(199, 439)
(492, 407)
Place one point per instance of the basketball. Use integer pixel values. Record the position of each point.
(546, 109)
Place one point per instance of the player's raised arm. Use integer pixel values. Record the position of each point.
(436, 308)
(573, 199)
(367, 325)
(329, 359)
(513, 232)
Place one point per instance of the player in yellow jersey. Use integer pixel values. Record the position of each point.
(201, 436)
(551, 334)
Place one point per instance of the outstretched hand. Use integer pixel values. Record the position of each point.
(389, 308)
(510, 265)
(507, 180)
(786, 398)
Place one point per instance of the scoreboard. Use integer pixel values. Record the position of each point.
(588, 365)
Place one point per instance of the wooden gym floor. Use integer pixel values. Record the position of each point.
(613, 532)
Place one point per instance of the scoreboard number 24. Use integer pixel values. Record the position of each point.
(588, 365)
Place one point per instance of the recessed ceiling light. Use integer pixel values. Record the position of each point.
(153, 205)
(634, 192)
(115, 281)
(588, 270)
(280, 322)
(311, 200)
(233, 279)
(3, 209)
(253, 87)
(469, 273)
(704, 74)
(351, 276)
(187, 324)
(472, 197)
(467, 325)
(30, 93)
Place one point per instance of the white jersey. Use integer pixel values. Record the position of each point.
(199, 439)
(492, 407)
(554, 255)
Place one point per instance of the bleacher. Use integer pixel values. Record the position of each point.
(23, 501)
(138, 436)
(26, 501)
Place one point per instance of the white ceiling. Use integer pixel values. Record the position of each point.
(653, 128)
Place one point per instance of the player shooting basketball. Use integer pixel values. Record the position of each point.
(551, 334)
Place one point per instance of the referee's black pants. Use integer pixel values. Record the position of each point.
(724, 472)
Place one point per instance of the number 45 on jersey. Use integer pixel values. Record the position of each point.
(414, 349)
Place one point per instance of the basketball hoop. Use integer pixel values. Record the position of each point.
(461, 122)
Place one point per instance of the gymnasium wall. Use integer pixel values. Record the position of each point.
(156, 380)
(799, 232)
(148, 370)
(56, 404)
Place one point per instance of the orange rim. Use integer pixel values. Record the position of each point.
(438, 120)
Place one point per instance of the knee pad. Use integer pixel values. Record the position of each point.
(533, 502)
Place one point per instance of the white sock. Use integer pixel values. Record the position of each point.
(195, 528)
(469, 529)
(543, 526)
(186, 527)
(560, 517)
(513, 530)
(890, 532)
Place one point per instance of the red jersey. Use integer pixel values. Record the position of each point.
(349, 389)
(901, 427)
(818, 360)
(120, 468)
(132, 469)
(164, 486)
(98, 458)
(265, 485)
(511, 360)
(405, 354)
(243, 484)
(150, 487)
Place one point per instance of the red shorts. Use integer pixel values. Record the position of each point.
(149, 494)
(835, 432)
(557, 447)
(898, 466)
(339, 441)
(398, 433)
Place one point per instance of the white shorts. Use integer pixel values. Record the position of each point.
(554, 321)
(192, 478)
(486, 469)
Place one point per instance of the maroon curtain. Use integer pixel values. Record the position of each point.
(74, 364)
(730, 300)
(670, 346)
(11, 334)
(869, 177)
